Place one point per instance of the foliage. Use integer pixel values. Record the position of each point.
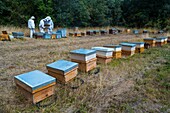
(84, 13)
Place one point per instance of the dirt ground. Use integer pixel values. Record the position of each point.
(98, 92)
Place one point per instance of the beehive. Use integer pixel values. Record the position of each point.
(160, 41)
(39, 35)
(104, 55)
(103, 32)
(83, 34)
(63, 70)
(150, 41)
(113, 31)
(47, 36)
(139, 47)
(90, 32)
(4, 37)
(77, 34)
(53, 35)
(168, 39)
(117, 53)
(96, 32)
(71, 34)
(18, 34)
(35, 85)
(63, 32)
(135, 32)
(85, 58)
(128, 49)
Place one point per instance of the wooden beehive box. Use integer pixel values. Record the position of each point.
(113, 31)
(168, 39)
(128, 49)
(96, 32)
(83, 34)
(53, 35)
(18, 34)
(150, 41)
(90, 32)
(85, 58)
(63, 70)
(117, 53)
(35, 85)
(77, 34)
(103, 32)
(139, 47)
(104, 55)
(71, 34)
(39, 35)
(160, 42)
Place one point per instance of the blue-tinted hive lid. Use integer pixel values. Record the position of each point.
(103, 49)
(35, 79)
(83, 51)
(63, 65)
(127, 44)
(112, 45)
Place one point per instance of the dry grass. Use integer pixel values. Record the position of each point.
(95, 95)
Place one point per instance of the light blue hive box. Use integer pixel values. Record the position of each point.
(128, 49)
(35, 85)
(63, 70)
(85, 57)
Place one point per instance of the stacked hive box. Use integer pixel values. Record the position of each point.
(18, 34)
(104, 55)
(47, 36)
(160, 41)
(85, 58)
(150, 41)
(96, 32)
(117, 53)
(139, 47)
(4, 36)
(128, 49)
(103, 32)
(63, 32)
(90, 32)
(39, 35)
(54, 35)
(77, 34)
(113, 31)
(63, 70)
(35, 85)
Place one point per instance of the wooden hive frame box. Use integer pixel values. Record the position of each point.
(150, 41)
(139, 47)
(160, 42)
(90, 32)
(71, 34)
(4, 36)
(63, 70)
(117, 53)
(77, 34)
(103, 32)
(128, 49)
(85, 58)
(104, 55)
(35, 85)
(96, 32)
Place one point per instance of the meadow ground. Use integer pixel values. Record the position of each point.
(134, 84)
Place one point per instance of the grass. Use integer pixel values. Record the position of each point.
(108, 91)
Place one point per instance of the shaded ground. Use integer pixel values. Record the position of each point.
(116, 88)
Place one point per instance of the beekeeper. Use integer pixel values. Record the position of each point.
(50, 24)
(41, 25)
(31, 26)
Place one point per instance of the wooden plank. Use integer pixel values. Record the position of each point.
(101, 60)
(86, 66)
(64, 78)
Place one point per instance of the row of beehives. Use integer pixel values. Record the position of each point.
(7, 37)
(37, 85)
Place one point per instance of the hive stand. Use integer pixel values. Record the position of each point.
(35, 85)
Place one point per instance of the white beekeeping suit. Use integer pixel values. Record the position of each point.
(50, 23)
(31, 26)
(41, 26)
